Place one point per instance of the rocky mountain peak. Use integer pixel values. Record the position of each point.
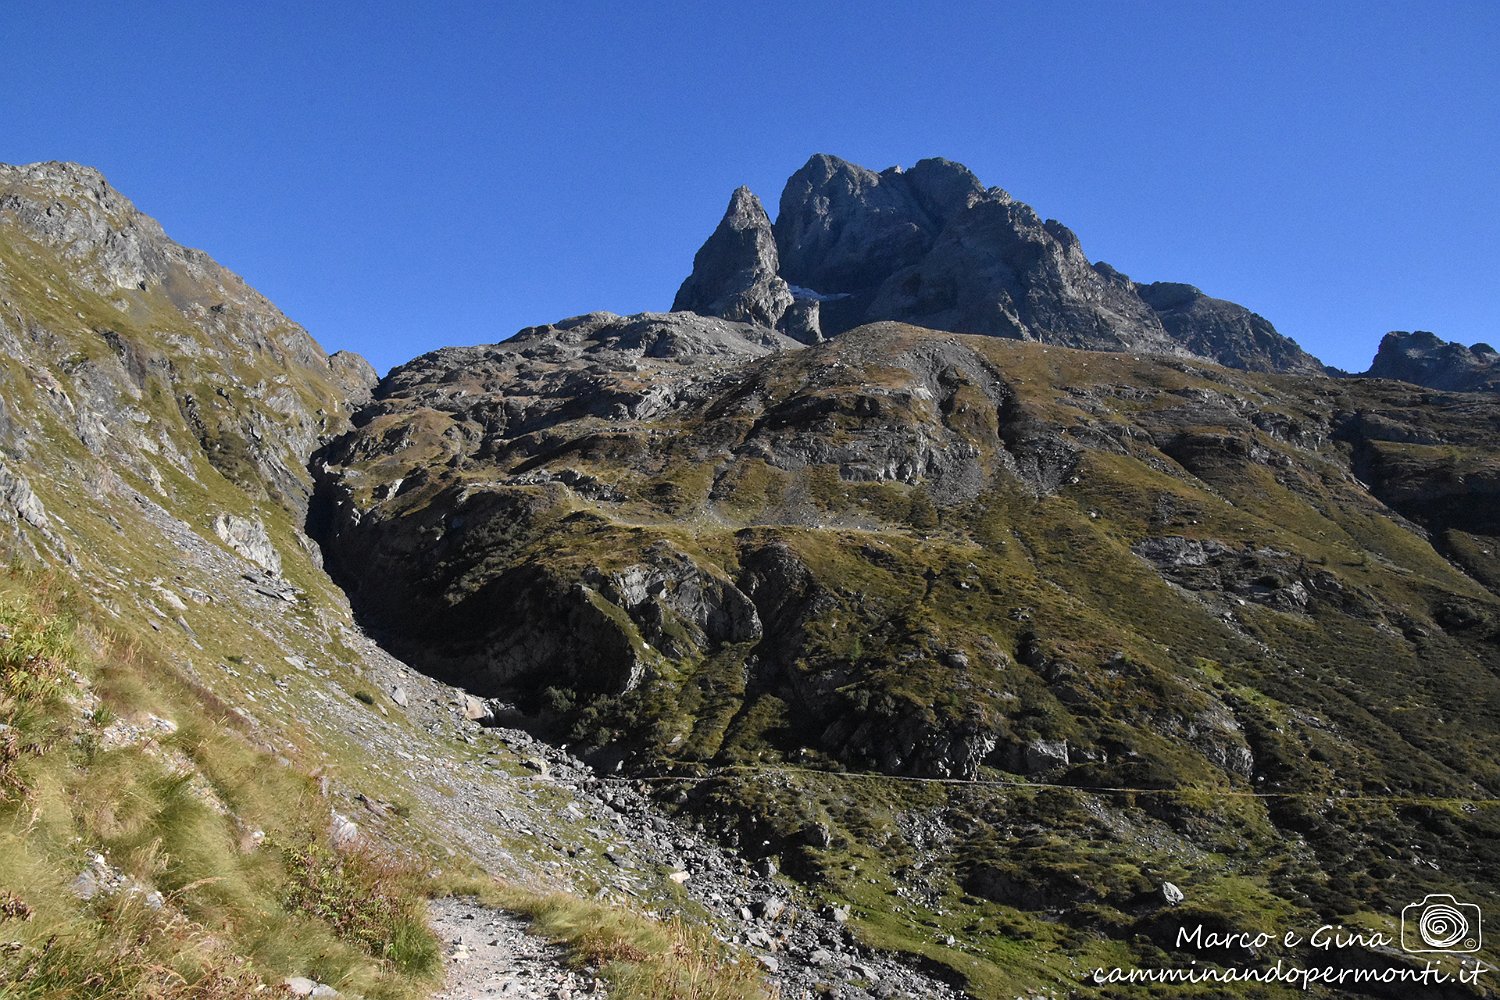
(839, 222)
(933, 247)
(735, 273)
(1423, 358)
(944, 187)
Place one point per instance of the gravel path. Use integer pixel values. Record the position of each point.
(489, 956)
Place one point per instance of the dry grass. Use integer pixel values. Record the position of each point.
(234, 917)
(193, 908)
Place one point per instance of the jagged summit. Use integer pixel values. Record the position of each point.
(842, 228)
(843, 231)
(1423, 358)
(932, 246)
(735, 273)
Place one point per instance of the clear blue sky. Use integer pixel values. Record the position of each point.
(401, 176)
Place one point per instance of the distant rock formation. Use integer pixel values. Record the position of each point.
(1225, 331)
(932, 246)
(1423, 358)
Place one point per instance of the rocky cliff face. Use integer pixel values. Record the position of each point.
(1422, 358)
(735, 274)
(933, 247)
(506, 402)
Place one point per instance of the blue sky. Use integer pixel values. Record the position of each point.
(399, 177)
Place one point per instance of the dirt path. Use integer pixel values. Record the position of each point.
(489, 956)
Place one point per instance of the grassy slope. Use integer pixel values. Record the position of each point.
(230, 838)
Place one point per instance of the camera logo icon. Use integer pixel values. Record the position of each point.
(1441, 923)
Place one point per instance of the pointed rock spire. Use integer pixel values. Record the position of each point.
(734, 274)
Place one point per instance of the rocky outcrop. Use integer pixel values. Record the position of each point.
(1445, 482)
(355, 377)
(1229, 333)
(735, 273)
(908, 742)
(931, 246)
(803, 320)
(1269, 577)
(24, 521)
(18, 500)
(248, 538)
(678, 606)
(1422, 358)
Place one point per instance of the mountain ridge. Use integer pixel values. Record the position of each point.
(932, 246)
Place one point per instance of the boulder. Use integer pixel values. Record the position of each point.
(248, 538)
(802, 321)
(770, 908)
(344, 832)
(1042, 756)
